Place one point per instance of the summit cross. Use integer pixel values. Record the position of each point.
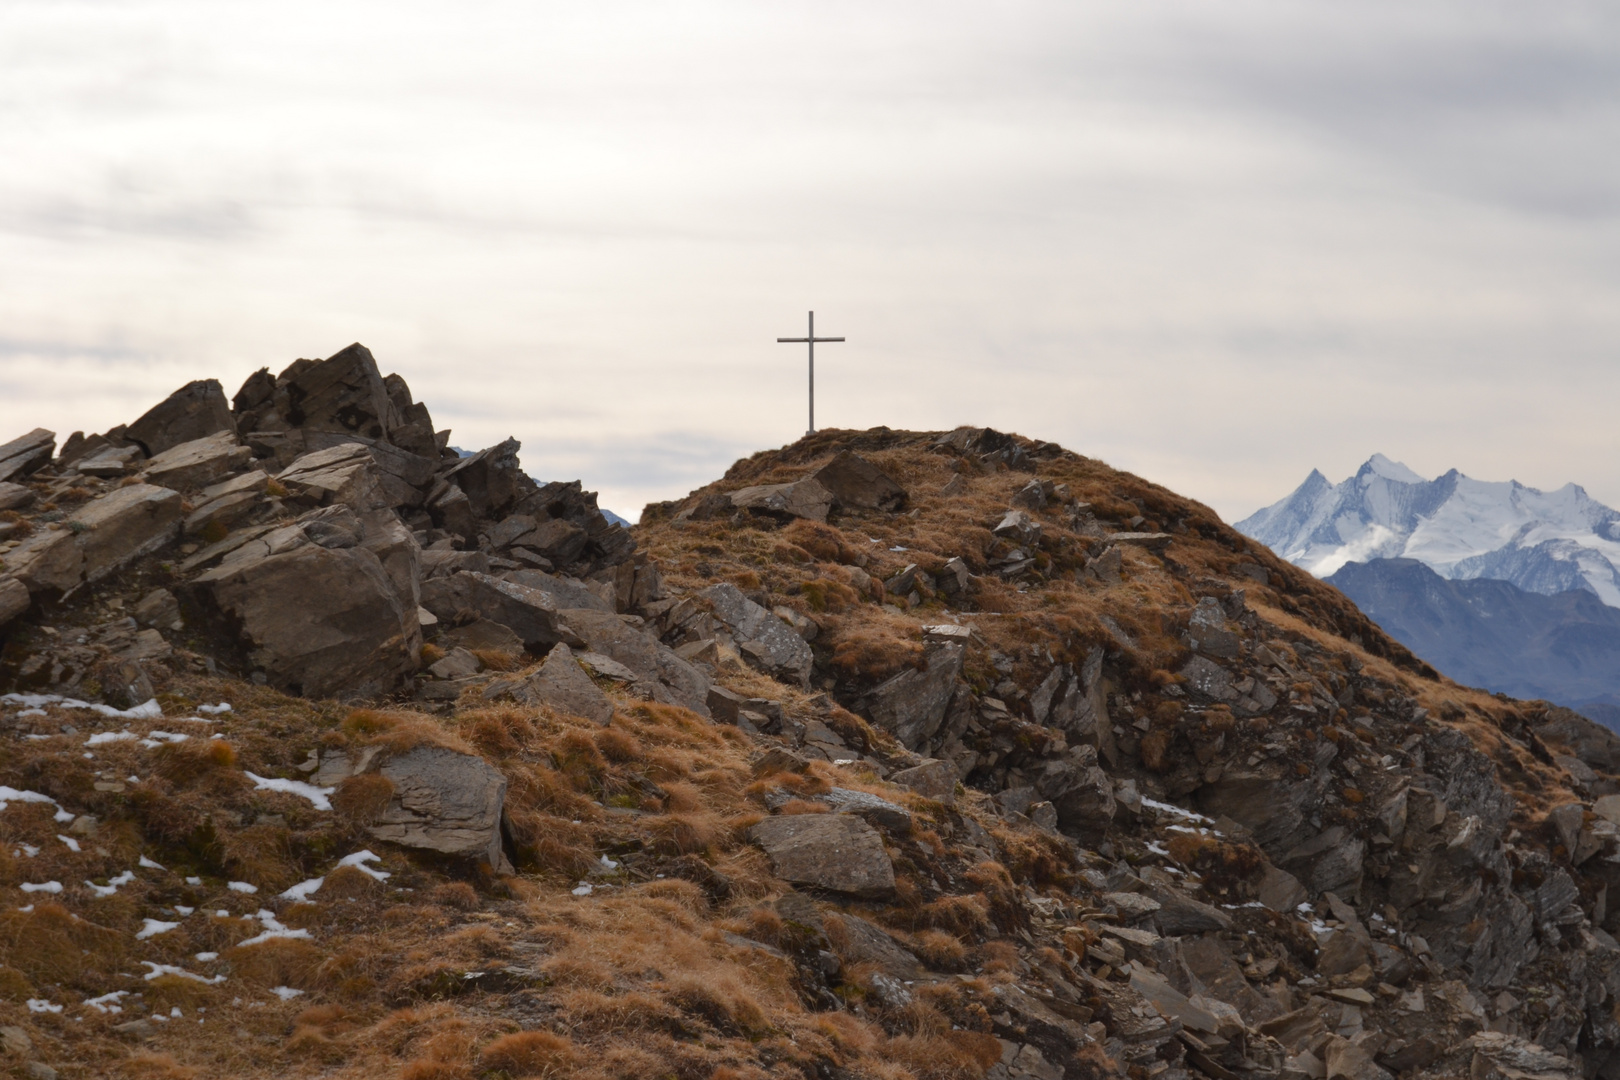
(811, 340)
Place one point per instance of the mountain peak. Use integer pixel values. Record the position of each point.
(1381, 466)
(1543, 542)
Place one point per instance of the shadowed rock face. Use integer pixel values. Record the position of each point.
(195, 411)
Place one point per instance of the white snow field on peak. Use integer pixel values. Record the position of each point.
(1542, 541)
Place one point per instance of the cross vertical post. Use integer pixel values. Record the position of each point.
(810, 339)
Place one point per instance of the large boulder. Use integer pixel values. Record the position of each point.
(105, 535)
(195, 411)
(837, 852)
(911, 705)
(856, 483)
(444, 801)
(800, 499)
(531, 614)
(763, 639)
(313, 608)
(26, 453)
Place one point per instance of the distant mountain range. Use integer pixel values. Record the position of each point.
(1493, 634)
(1544, 542)
(1497, 585)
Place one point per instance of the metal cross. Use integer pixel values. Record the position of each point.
(811, 340)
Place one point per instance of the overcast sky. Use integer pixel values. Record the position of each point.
(1215, 244)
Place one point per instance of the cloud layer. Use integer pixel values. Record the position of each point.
(1214, 245)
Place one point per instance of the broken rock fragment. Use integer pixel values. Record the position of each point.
(837, 852)
(856, 483)
(561, 684)
(199, 462)
(25, 454)
(912, 704)
(106, 534)
(765, 640)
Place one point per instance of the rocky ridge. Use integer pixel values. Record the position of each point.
(935, 754)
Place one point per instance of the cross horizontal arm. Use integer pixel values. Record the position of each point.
(802, 340)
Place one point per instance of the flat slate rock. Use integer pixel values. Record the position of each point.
(837, 852)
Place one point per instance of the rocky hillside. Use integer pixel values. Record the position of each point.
(325, 751)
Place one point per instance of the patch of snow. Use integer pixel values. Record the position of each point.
(609, 864)
(358, 861)
(184, 910)
(9, 795)
(29, 850)
(242, 887)
(1157, 848)
(316, 795)
(583, 889)
(26, 910)
(107, 1003)
(152, 928)
(273, 929)
(215, 710)
(43, 886)
(170, 969)
(193, 881)
(148, 864)
(72, 844)
(127, 877)
(102, 738)
(158, 738)
(1167, 808)
(40, 1005)
(300, 893)
(206, 957)
(286, 993)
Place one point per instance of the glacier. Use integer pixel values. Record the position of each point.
(1544, 542)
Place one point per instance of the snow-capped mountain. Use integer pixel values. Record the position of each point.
(1544, 542)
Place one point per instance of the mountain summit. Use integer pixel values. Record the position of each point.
(1544, 542)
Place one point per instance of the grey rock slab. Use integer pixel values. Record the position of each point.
(779, 650)
(800, 499)
(15, 496)
(14, 599)
(529, 613)
(199, 462)
(481, 634)
(874, 808)
(856, 483)
(606, 666)
(105, 535)
(567, 592)
(346, 473)
(110, 461)
(933, 779)
(195, 411)
(456, 664)
(1181, 914)
(1019, 527)
(859, 942)
(157, 608)
(26, 453)
(911, 705)
(444, 801)
(837, 852)
(663, 674)
(563, 685)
